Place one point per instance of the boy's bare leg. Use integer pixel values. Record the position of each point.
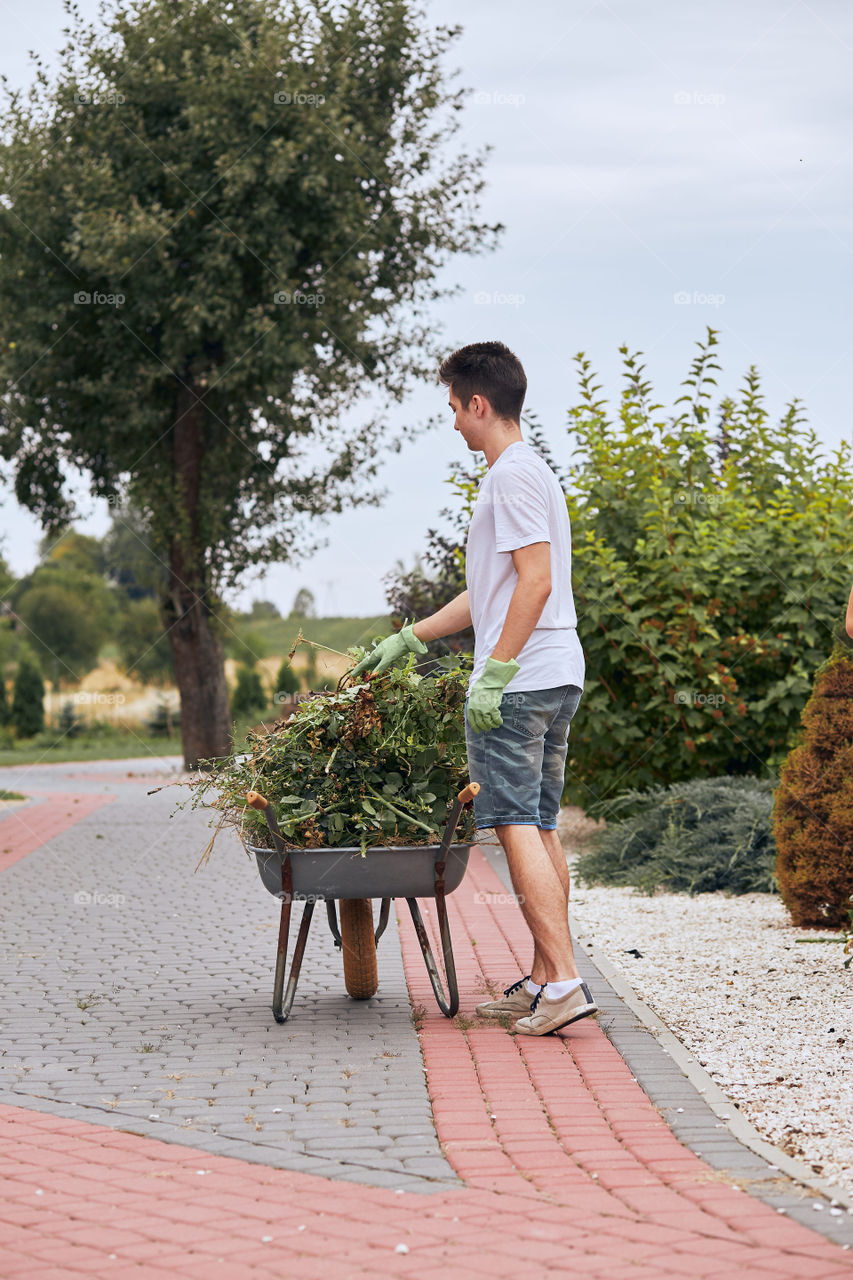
(542, 891)
(557, 853)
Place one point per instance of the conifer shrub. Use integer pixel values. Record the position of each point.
(698, 836)
(813, 810)
(28, 700)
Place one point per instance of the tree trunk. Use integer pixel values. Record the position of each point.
(188, 613)
(200, 671)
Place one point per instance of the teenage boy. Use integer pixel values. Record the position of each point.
(528, 673)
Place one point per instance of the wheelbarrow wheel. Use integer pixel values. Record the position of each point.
(358, 945)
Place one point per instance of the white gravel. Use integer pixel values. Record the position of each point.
(770, 1018)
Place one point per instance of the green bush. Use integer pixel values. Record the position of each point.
(691, 837)
(711, 559)
(28, 701)
(249, 694)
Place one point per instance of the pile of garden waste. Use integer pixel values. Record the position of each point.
(375, 763)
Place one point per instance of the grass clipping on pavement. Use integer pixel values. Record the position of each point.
(377, 763)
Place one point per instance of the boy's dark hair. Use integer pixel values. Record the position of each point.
(486, 369)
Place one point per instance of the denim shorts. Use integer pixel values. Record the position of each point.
(521, 765)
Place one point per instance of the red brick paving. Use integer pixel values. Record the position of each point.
(568, 1168)
(29, 827)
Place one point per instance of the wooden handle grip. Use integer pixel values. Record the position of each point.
(256, 800)
(466, 795)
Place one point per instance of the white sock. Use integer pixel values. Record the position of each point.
(556, 990)
(533, 987)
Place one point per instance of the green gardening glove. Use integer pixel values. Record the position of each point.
(389, 650)
(485, 697)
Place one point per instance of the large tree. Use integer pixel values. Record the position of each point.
(64, 607)
(219, 226)
(61, 626)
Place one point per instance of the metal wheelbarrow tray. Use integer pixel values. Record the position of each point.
(343, 875)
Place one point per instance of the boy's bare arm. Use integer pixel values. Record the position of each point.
(849, 621)
(533, 566)
(453, 617)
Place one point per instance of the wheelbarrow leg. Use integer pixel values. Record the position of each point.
(332, 915)
(281, 1012)
(281, 959)
(448, 1004)
(384, 912)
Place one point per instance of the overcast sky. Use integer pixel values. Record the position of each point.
(659, 166)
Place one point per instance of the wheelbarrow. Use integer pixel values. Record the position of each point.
(343, 876)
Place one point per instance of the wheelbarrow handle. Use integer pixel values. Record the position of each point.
(466, 795)
(257, 801)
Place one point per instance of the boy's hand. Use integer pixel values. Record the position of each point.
(485, 697)
(389, 650)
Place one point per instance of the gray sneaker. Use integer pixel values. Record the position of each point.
(516, 1000)
(547, 1015)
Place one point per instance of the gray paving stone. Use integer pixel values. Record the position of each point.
(429, 1166)
(183, 967)
(404, 1130)
(354, 1142)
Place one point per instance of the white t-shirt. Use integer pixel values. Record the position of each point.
(520, 502)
